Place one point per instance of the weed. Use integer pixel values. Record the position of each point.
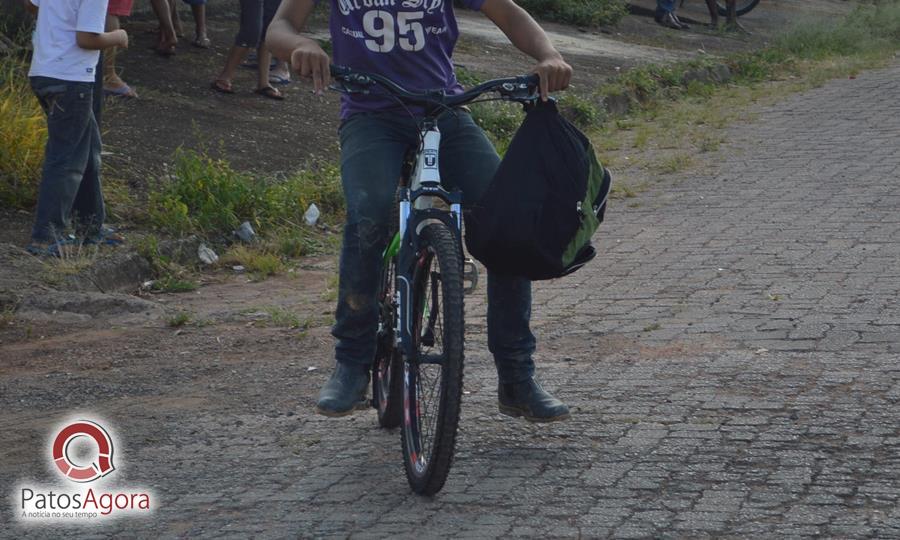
(331, 290)
(467, 77)
(499, 120)
(173, 284)
(179, 319)
(580, 111)
(257, 260)
(675, 163)
(72, 260)
(284, 318)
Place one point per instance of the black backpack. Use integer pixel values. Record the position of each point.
(546, 200)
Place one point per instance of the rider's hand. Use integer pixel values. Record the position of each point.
(309, 60)
(555, 75)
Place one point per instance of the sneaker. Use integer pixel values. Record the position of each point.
(50, 249)
(669, 20)
(528, 399)
(106, 236)
(345, 392)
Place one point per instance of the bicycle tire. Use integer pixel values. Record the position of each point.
(743, 7)
(427, 459)
(387, 369)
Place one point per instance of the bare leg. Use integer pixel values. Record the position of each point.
(200, 38)
(176, 21)
(232, 61)
(265, 58)
(167, 37)
(111, 79)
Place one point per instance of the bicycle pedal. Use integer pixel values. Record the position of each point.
(470, 276)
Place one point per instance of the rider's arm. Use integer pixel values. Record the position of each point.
(284, 40)
(530, 38)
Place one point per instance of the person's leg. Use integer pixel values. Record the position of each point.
(713, 13)
(167, 38)
(265, 56)
(372, 151)
(88, 208)
(468, 161)
(176, 20)
(198, 10)
(246, 38)
(665, 15)
(112, 83)
(68, 107)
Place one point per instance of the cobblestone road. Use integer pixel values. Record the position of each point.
(732, 361)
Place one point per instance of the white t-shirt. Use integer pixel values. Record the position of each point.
(56, 53)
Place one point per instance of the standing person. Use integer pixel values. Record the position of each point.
(67, 42)
(665, 15)
(256, 15)
(392, 40)
(113, 85)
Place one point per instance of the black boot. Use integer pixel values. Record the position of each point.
(528, 399)
(345, 392)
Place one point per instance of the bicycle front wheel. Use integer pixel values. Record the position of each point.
(743, 7)
(433, 378)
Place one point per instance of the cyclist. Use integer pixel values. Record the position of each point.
(411, 42)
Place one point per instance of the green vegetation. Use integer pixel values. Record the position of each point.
(577, 12)
(258, 260)
(179, 319)
(207, 197)
(23, 134)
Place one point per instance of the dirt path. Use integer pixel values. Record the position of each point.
(731, 367)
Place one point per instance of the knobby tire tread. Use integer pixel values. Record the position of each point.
(447, 253)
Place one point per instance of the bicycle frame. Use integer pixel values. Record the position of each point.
(417, 194)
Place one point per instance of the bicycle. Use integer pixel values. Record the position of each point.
(418, 369)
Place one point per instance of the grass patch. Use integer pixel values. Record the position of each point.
(23, 135)
(72, 260)
(577, 12)
(179, 319)
(257, 260)
(206, 196)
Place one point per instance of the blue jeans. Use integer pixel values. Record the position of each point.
(70, 180)
(372, 150)
(664, 6)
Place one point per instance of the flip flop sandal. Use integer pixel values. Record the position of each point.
(222, 87)
(278, 79)
(269, 92)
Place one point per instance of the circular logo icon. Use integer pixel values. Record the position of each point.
(92, 471)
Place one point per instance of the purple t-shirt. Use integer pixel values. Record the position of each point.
(408, 41)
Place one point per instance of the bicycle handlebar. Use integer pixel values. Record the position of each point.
(521, 89)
